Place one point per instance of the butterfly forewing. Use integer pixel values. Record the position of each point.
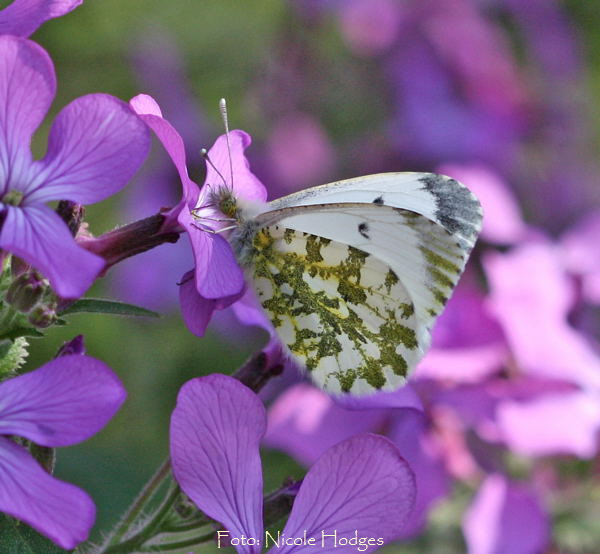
(341, 311)
(440, 199)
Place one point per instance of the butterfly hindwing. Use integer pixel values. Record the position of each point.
(342, 312)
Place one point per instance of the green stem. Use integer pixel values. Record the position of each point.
(139, 503)
(185, 526)
(149, 530)
(180, 544)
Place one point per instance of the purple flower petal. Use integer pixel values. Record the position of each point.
(27, 87)
(217, 271)
(216, 429)
(404, 397)
(149, 111)
(574, 417)
(505, 518)
(95, 146)
(41, 238)
(531, 296)
(59, 510)
(304, 422)
(63, 402)
(249, 312)
(195, 309)
(361, 487)
(244, 184)
(23, 17)
(408, 433)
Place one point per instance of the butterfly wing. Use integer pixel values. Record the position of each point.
(441, 199)
(341, 312)
(398, 242)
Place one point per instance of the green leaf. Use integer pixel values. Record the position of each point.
(103, 306)
(22, 332)
(19, 538)
(12, 355)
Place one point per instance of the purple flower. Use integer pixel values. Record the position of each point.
(531, 296)
(217, 280)
(23, 17)
(579, 247)
(467, 343)
(299, 152)
(575, 417)
(360, 485)
(505, 518)
(95, 145)
(64, 402)
(445, 73)
(370, 27)
(304, 422)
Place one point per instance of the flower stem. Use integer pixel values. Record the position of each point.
(165, 547)
(135, 542)
(132, 239)
(139, 503)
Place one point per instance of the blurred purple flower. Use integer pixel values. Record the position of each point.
(23, 17)
(531, 296)
(217, 280)
(574, 417)
(360, 484)
(579, 249)
(445, 73)
(95, 146)
(370, 27)
(63, 402)
(562, 181)
(304, 422)
(299, 152)
(505, 518)
(468, 345)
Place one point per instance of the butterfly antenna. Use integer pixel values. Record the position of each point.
(204, 154)
(223, 110)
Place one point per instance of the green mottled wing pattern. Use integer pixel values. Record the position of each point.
(342, 312)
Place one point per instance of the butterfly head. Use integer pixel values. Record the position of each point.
(225, 201)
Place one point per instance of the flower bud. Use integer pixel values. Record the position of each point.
(73, 346)
(42, 316)
(26, 291)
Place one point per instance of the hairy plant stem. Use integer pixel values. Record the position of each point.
(151, 527)
(145, 495)
(165, 547)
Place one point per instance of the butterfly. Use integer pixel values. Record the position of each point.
(353, 274)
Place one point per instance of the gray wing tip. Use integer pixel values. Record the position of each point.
(457, 208)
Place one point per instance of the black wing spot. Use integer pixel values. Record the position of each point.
(378, 201)
(363, 229)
